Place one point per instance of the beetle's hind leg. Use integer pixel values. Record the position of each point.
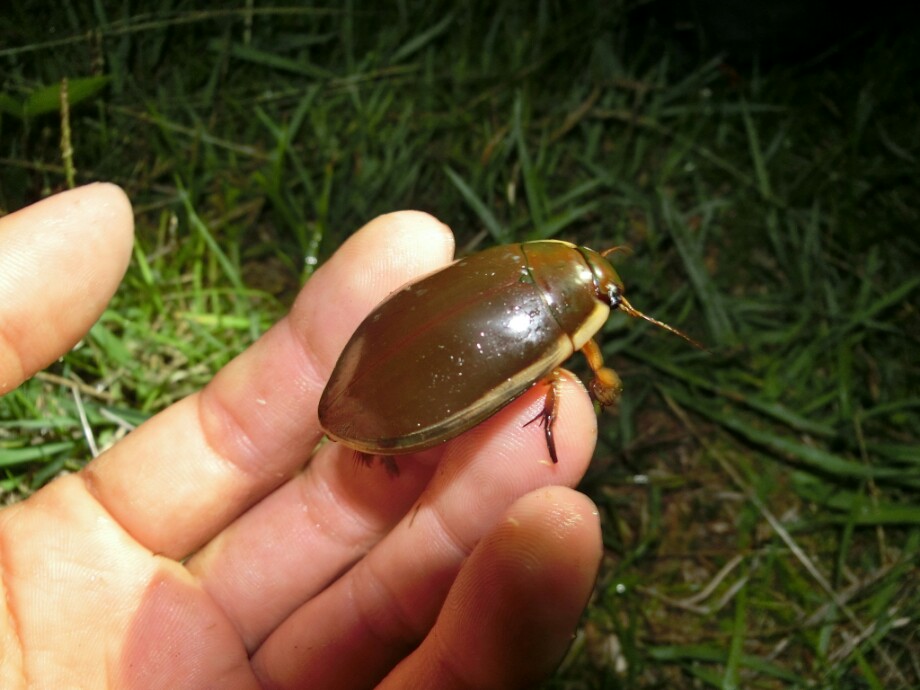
(547, 416)
(606, 385)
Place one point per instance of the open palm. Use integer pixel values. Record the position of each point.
(213, 547)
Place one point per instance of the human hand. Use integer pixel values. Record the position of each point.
(213, 548)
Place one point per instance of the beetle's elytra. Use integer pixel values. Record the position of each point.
(451, 349)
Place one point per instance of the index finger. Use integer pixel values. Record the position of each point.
(206, 459)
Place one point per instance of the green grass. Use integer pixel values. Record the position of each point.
(760, 502)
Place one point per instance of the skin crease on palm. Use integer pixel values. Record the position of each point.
(212, 548)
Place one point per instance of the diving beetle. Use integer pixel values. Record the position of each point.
(448, 350)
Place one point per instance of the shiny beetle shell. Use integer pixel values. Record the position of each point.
(451, 349)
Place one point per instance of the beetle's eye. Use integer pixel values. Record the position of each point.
(613, 296)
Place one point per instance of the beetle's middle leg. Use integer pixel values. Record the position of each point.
(606, 385)
(547, 416)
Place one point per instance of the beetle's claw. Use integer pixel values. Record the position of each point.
(550, 443)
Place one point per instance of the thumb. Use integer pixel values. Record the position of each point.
(61, 260)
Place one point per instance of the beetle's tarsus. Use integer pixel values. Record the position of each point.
(363, 459)
(547, 416)
(389, 463)
(606, 386)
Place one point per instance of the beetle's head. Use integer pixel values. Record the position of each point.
(609, 289)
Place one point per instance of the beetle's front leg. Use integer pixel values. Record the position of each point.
(606, 385)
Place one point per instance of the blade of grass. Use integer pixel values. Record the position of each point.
(811, 457)
(229, 269)
(10, 457)
(532, 187)
(714, 655)
(426, 37)
(495, 229)
(271, 60)
(708, 294)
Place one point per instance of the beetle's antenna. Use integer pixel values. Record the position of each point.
(622, 248)
(635, 313)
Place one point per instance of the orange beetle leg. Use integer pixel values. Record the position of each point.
(547, 416)
(606, 385)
